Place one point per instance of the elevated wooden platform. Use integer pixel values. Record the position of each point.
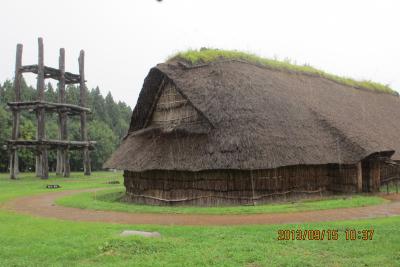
(41, 145)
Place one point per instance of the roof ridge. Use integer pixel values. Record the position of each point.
(309, 74)
(207, 56)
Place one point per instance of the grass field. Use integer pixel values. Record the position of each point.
(30, 241)
(111, 200)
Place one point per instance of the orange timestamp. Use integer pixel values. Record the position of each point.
(328, 234)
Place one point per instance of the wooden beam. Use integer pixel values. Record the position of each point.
(82, 102)
(48, 106)
(51, 144)
(14, 168)
(52, 73)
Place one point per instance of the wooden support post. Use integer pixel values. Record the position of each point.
(60, 154)
(63, 115)
(82, 87)
(59, 160)
(359, 177)
(14, 168)
(38, 165)
(61, 99)
(41, 115)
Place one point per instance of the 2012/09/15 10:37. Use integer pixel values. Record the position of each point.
(329, 234)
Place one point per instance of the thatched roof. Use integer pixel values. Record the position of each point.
(259, 118)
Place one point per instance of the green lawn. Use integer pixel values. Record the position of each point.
(111, 200)
(28, 183)
(31, 241)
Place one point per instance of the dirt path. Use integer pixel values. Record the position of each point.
(43, 206)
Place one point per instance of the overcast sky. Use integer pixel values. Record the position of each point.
(124, 39)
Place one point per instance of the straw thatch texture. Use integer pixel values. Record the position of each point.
(255, 118)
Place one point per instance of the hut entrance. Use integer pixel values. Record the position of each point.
(371, 178)
(365, 176)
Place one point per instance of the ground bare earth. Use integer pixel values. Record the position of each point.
(43, 206)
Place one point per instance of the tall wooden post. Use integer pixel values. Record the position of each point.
(82, 87)
(61, 99)
(41, 125)
(15, 113)
(60, 154)
(64, 157)
(38, 164)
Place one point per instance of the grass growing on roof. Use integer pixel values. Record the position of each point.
(209, 55)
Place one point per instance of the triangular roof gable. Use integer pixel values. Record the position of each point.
(154, 87)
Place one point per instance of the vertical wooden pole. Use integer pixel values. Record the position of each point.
(60, 154)
(359, 177)
(82, 86)
(61, 95)
(15, 113)
(41, 128)
(59, 162)
(63, 115)
(38, 165)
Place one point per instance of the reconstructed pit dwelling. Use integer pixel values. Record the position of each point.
(236, 132)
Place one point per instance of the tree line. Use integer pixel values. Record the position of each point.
(107, 124)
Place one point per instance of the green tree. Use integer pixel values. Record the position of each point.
(5, 132)
(106, 142)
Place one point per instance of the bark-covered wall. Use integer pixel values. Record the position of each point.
(343, 178)
(220, 187)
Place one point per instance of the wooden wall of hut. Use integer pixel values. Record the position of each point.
(233, 187)
(343, 178)
(389, 171)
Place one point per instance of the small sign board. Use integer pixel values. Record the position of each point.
(53, 186)
(113, 182)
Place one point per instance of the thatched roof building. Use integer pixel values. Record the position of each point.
(233, 131)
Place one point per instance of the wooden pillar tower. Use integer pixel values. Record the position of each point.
(42, 144)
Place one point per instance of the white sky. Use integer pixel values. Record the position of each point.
(124, 39)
